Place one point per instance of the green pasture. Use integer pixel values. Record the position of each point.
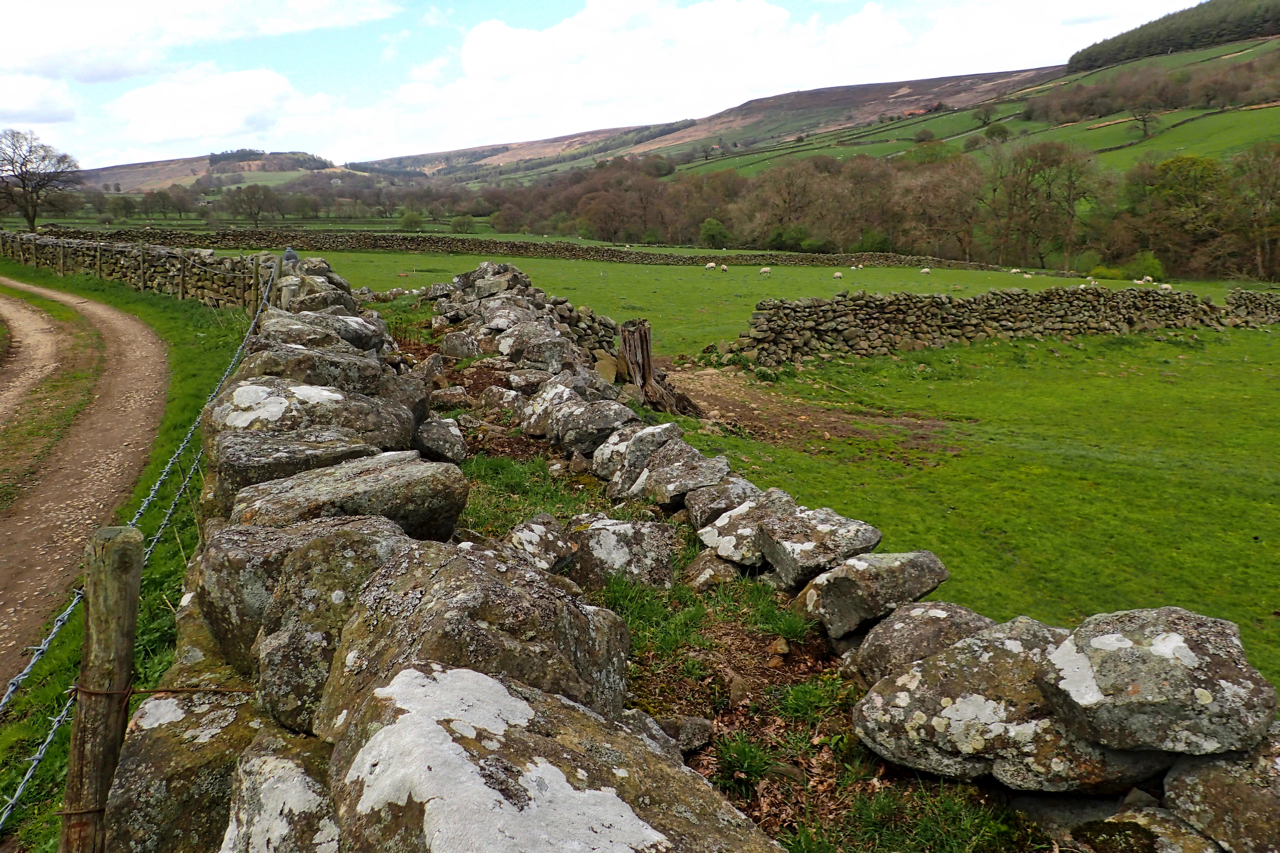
(690, 307)
(1058, 481)
(1213, 136)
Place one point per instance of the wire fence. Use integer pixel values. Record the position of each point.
(39, 651)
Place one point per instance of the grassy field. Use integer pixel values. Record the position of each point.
(200, 342)
(689, 307)
(1058, 481)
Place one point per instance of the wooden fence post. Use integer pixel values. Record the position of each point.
(113, 575)
(98, 260)
(257, 263)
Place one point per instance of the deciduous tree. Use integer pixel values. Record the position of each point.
(32, 174)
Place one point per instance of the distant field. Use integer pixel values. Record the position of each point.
(688, 306)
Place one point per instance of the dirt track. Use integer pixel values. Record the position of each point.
(88, 475)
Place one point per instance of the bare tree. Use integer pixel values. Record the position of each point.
(32, 174)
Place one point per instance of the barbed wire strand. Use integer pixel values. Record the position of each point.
(38, 652)
(164, 523)
(34, 761)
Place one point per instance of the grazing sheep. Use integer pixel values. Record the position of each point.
(926, 271)
(837, 275)
(724, 268)
(1026, 275)
(1015, 272)
(1166, 288)
(1146, 279)
(859, 266)
(710, 266)
(766, 271)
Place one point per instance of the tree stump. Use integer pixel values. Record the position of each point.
(637, 352)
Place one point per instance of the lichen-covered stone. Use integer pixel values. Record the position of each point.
(537, 415)
(583, 431)
(236, 575)
(586, 383)
(424, 498)
(280, 327)
(172, 788)
(364, 333)
(459, 345)
(409, 390)
(272, 404)
(707, 571)
(527, 382)
(453, 397)
(608, 456)
(303, 623)
(733, 536)
(499, 401)
(689, 733)
(975, 709)
(440, 440)
(635, 457)
(1234, 799)
(447, 760)
(280, 797)
(803, 544)
(1159, 679)
(707, 504)
(667, 485)
(486, 610)
(867, 587)
(914, 632)
(544, 540)
(1144, 830)
(247, 457)
(353, 372)
(641, 551)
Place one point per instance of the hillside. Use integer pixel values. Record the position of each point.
(1212, 23)
(276, 167)
(759, 122)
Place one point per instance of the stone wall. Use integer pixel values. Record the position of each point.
(182, 273)
(358, 241)
(866, 324)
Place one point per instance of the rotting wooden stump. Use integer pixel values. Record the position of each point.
(637, 352)
(113, 575)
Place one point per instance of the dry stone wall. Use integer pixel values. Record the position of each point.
(356, 241)
(865, 324)
(182, 273)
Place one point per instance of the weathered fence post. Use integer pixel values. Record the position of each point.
(98, 260)
(62, 258)
(113, 574)
(637, 352)
(257, 269)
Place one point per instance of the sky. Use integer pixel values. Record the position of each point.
(130, 81)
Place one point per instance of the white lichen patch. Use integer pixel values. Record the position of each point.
(158, 712)
(1077, 675)
(272, 794)
(1174, 647)
(416, 757)
(1111, 642)
(315, 394)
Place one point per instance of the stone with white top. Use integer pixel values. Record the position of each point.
(914, 632)
(733, 536)
(641, 551)
(805, 543)
(867, 587)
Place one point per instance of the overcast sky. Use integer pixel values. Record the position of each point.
(134, 80)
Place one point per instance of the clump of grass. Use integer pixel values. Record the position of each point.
(759, 606)
(505, 492)
(661, 622)
(812, 702)
(743, 763)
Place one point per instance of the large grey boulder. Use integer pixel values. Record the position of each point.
(280, 796)
(236, 574)
(635, 457)
(543, 406)
(271, 404)
(584, 430)
(364, 332)
(803, 544)
(282, 328)
(707, 571)
(707, 504)
(451, 759)
(544, 540)
(975, 709)
(641, 551)
(440, 440)
(459, 345)
(243, 458)
(504, 312)
(527, 382)
(303, 623)
(868, 587)
(552, 354)
(424, 498)
(487, 610)
(514, 341)
(409, 390)
(1234, 798)
(1159, 679)
(914, 632)
(733, 536)
(346, 371)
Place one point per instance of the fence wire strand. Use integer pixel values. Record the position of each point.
(34, 761)
(38, 652)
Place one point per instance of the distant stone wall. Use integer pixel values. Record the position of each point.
(865, 324)
(357, 241)
(181, 273)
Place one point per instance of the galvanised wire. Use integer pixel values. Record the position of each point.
(37, 652)
(182, 490)
(34, 761)
(235, 360)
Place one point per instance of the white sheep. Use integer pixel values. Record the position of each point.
(766, 271)
(1166, 288)
(710, 266)
(1026, 275)
(1015, 272)
(926, 271)
(724, 268)
(837, 275)
(1146, 279)
(859, 266)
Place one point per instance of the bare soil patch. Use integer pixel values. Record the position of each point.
(31, 354)
(88, 475)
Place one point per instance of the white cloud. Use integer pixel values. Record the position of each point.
(34, 100)
(98, 41)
